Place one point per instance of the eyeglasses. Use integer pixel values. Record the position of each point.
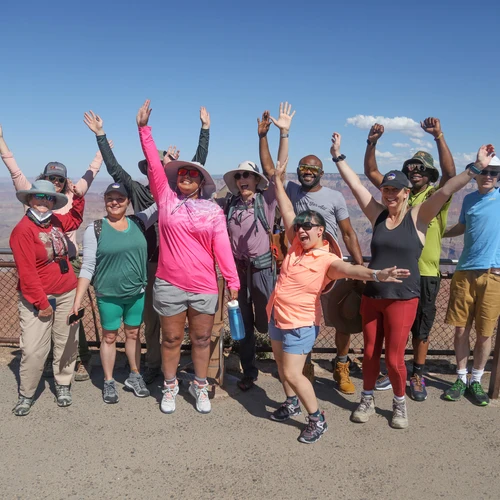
(58, 178)
(416, 166)
(42, 196)
(312, 168)
(245, 175)
(306, 226)
(188, 171)
(491, 173)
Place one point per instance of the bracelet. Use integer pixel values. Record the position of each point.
(338, 158)
(284, 136)
(370, 143)
(472, 168)
(439, 136)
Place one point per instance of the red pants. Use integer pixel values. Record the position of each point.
(391, 320)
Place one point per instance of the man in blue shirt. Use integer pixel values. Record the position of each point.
(475, 288)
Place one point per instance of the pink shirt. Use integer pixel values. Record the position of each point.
(192, 233)
(22, 183)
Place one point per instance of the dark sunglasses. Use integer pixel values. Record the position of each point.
(306, 226)
(416, 166)
(58, 178)
(42, 196)
(188, 171)
(491, 173)
(245, 175)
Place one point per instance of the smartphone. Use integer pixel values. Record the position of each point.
(73, 318)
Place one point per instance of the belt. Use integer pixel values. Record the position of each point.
(495, 270)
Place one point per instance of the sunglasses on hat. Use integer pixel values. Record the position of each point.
(54, 178)
(192, 172)
(245, 175)
(42, 196)
(306, 226)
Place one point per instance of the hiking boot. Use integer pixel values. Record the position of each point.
(479, 397)
(285, 411)
(150, 375)
(456, 391)
(167, 404)
(109, 394)
(23, 406)
(136, 383)
(417, 388)
(399, 415)
(341, 376)
(200, 393)
(365, 409)
(314, 429)
(63, 395)
(83, 371)
(48, 369)
(383, 383)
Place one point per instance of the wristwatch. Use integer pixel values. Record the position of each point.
(284, 136)
(339, 158)
(473, 169)
(370, 143)
(375, 276)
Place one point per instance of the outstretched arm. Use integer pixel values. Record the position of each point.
(18, 178)
(283, 123)
(371, 208)
(340, 269)
(265, 156)
(433, 126)
(284, 203)
(202, 149)
(371, 167)
(457, 230)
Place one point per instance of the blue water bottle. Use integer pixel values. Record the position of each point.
(235, 320)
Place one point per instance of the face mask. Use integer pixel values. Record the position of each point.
(39, 216)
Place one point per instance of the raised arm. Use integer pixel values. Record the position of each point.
(18, 178)
(370, 207)
(433, 126)
(283, 122)
(265, 156)
(284, 203)
(72, 220)
(202, 149)
(371, 167)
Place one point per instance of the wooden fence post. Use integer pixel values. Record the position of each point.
(494, 389)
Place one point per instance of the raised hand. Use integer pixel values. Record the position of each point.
(143, 114)
(336, 140)
(72, 187)
(1, 131)
(432, 126)
(375, 133)
(172, 154)
(484, 156)
(94, 122)
(279, 171)
(264, 124)
(111, 143)
(285, 118)
(205, 118)
(392, 274)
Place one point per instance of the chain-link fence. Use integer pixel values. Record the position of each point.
(441, 335)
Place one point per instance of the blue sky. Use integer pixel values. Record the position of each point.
(336, 62)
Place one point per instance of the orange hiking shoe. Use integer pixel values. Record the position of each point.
(341, 376)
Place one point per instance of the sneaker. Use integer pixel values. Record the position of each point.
(365, 409)
(150, 375)
(456, 391)
(417, 388)
(200, 393)
(83, 371)
(23, 406)
(285, 411)
(48, 369)
(314, 429)
(109, 394)
(136, 383)
(341, 376)
(63, 395)
(383, 383)
(399, 415)
(167, 404)
(479, 397)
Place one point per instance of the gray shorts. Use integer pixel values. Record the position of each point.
(169, 300)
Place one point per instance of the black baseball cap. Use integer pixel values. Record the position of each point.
(117, 188)
(397, 179)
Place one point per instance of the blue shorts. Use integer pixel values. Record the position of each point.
(295, 340)
(113, 309)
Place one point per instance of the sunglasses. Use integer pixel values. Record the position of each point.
(245, 175)
(54, 178)
(42, 196)
(312, 168)
(416, 166)
(187, 171)
(306, 226)
(491, 173)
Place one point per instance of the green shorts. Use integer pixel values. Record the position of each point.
(113, 309)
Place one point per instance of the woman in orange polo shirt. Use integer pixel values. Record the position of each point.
(313, 262)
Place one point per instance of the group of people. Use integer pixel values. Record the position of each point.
(160, 266)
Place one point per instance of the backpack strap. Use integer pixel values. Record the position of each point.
(97, 228)
(259, 212)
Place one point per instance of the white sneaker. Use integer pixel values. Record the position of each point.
(167, 404)
(200, 393)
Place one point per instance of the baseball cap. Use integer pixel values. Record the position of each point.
(117, 188)
(397, 179)
(55, 168)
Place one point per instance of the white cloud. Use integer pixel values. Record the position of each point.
(400, 144)
(426, 145)
(464, 157)
(402, 124)
(384, 154)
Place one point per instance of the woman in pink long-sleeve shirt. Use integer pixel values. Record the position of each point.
(193, 235)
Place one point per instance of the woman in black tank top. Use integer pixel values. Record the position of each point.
(388, 309)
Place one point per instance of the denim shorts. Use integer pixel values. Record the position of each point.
(295, 340)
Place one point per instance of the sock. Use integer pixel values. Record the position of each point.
(200, 381)
(342, 359)
(418, 370)
(170, 381)
(399, 399)
(294, 400)
(367, 393)
(462, 374)
(134, 374)
(317, 416)
(476, 375)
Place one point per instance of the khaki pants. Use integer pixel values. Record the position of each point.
(35, 343)
(151, 322)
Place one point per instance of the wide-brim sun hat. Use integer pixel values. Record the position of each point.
(208, 188)
(143, 164)
(335, 249)
(345, 299)
(42, 187)
(246, 166)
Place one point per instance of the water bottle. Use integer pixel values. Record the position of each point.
(235, 320)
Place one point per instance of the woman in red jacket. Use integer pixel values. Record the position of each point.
(46, 287)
